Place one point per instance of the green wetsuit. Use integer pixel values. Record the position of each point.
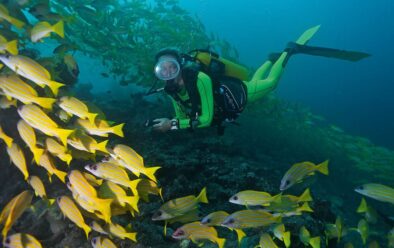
(256, 89)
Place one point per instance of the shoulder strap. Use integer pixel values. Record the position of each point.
(190, 76)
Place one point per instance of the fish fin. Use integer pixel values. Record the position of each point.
(306, 196)
(63, 135)
(12, 47)
(59, 28)
(51, 201)
(118, 130)
(55, 86)
(8, 141)
(161, 194)
(104, 206)
(92, 118)
(44, 102)
(315, 242)
(240, 235)
(363, 206)
(9, 98)
(276, 198)
(305, 208)
(87, 230)
(133, 186)
(68, 158)
(221, 242)
(150, 173)
(286, 239)
(132, 236)
(202, 197)
(323, 167)
(133, 202)
(165, 228)
(17, 23)
(37, 153)
(102, 146)
(61, 175)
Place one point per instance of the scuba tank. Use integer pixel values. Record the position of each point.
(215, 66)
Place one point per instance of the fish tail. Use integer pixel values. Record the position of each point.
(104, 206)
(87, 230)
(44, 102)
(323, 167)
(67, 158)
(59, 28)
(37, 152)
(286, 239)
(161, 194)
(133, 202)
(150, 173)
(221, 242)
(51, 201)
(8, 141)
(315, 242)
(17, 23)
(102, 146)
(92, 117)
(61, 175)
(202, 197)
(305, 208)
(132, 236)
(306, 196)
(55, 86)
(363, 206)
(133, 186)
(12, 47)
(118, 130)
(63, 135)
(276, 198)
(278, 219)
(240, 235)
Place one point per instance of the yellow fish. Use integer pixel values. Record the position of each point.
(7, 139)
(14, 209)
(132, 161)
(110, 189)
(370, 214)
(180, 206)
(101, 242)
(74, 106)
(378, 192)
(21, 240)
(95, 182)
(14, 87)
(29, 137)
(198, 233)
(280, 233)
(266, 242)
(4, 15)
(146, 187)
(44, 29)
(301, 170)
(36, 117)
(30, 69)
(18, 159)
(97, 227)
(306, 238)
(6, 103)
(250, 218)
(113, 173)
(58, 150)
(101, 129)
(9, 46)
(71, 211)
(253, 198)
(47, 162)
(120, 232)
(86, 143)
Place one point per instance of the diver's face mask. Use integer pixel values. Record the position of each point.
(167, 68)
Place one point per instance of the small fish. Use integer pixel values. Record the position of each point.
(180, 206)
(74, 106)
(102, 129)
(71, 211)
(95, 182)
(58, 150)
(301, 170)
(6, 103)
(335, 230)
(266, 242)
(370, 214)
(38, 186)
(101, 242)
(146, 187)
(253, 198)
(377, 191)
(14, 209)
(132, 161)
(362, 229)
(21, 240)
(30, 69)
(7, 139)
(9, 46)
(97, 227)
(29, 137)
(18, 159)
(86, 143)
(198, 233)
(120, 232)
(214, 219)
(281, 234)
(110, 189)
(47, 162)
(14, 87)
(4, 15)
(71, 64)
(306, 238)
(44, 29)
(113, 173)
(250, 218)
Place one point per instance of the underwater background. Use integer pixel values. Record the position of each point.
(323, 109)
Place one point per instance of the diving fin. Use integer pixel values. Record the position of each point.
(354, 56)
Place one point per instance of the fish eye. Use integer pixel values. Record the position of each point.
(159, 213)
(235, 198)
(7, 56)
(208, 220)
(94, 167)
(287, 182)
(7, 241)
(94, 241)
(231, 221)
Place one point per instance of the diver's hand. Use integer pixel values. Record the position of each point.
(162, 124)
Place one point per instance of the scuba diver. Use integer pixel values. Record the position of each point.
(209, 91)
